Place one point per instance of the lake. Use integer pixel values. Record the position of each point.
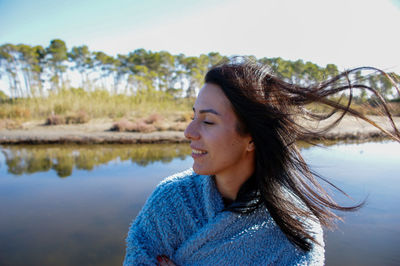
(72, 205)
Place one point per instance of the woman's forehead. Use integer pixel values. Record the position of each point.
(212, 97)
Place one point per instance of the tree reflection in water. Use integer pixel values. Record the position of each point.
(27, 159)
(63, 159)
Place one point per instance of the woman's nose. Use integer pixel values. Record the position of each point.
(191, 131)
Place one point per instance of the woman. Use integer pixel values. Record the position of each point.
(250, 198)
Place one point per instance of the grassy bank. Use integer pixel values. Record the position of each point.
(145, 112)
(79, 106)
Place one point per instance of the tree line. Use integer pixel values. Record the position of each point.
(34, 71)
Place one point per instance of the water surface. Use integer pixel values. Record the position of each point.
(72, 205)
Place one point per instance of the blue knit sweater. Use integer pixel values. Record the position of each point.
(183, 219)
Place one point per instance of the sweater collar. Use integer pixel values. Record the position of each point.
(212, 198)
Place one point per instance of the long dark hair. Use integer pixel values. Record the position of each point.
(269, 109)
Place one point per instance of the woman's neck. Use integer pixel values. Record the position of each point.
(227, 189)
(229, 185)
(230, 180)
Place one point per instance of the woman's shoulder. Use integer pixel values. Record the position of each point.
(172, 186)
(178, 180)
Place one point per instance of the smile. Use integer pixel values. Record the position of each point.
(197, 153)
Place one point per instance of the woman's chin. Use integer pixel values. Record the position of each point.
(200, 171)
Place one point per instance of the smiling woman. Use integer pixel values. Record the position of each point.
(250, 199)
(217, 147)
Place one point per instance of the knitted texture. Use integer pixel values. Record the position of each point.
(183, 219)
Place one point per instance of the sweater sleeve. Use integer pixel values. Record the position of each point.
(148, 235)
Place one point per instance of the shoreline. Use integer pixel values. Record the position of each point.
(97, 132)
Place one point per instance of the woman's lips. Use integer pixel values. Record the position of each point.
(196, 153)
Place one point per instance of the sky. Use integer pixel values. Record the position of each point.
(348, 33)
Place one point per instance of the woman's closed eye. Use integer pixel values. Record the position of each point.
(207, 122)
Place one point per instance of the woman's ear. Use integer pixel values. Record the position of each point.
(250, 146)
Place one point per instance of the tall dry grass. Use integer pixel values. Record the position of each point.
(146, 111)
(73, 104)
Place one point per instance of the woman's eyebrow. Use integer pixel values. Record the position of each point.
(208, 111)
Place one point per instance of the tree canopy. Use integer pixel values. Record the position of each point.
(33, 71)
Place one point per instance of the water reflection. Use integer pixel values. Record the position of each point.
(29, 159)
(83, 219)
(64, 159)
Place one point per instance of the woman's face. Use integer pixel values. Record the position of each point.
(217, 148)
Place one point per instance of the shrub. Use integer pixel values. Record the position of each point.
(55, 120)
(185, 117)
(123, 125)
(153, 118)
(79, 118)
(142, 126)
(180, 126)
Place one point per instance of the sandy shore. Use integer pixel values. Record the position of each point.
(97, 132)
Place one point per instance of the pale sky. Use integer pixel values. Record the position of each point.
(347, 33)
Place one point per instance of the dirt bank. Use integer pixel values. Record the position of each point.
(97, 132)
